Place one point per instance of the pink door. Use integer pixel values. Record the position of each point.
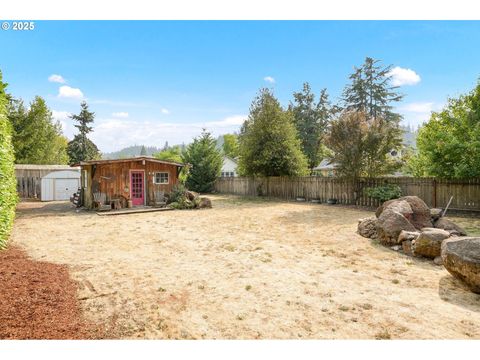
(136, 187)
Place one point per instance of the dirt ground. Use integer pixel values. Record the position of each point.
(246, 269)
(38, 300)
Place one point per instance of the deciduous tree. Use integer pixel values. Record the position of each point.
(449, 143)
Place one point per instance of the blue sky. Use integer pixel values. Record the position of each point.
(151, 82)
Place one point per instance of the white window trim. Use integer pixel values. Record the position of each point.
(161, 183)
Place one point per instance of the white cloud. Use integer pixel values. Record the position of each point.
(417, 113)
(114, 134)
(120, 114)
(165, 111)
(69, 92)
(401, 76)
(269, 79)
(57, 79)
(418, 107)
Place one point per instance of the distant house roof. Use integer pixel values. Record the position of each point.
(42, 167)
(137, 158)
(325, 165)
(229, 158)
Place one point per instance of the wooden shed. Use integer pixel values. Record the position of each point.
(140, 180)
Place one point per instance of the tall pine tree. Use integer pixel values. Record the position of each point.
(81, 148)
(371, 95)
(311, 119)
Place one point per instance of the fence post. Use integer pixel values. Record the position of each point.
(434, 196)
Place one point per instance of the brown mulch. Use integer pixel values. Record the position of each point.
(38, 300)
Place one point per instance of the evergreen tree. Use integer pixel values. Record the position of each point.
(37, 139)
(268, 141)
(370, 91)
(311, 120)
(206, 162)
(81, 148)
(143, 151)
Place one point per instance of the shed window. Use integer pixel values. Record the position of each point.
(161, 178)
(227, 174)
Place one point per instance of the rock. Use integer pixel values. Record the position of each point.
(407, 247)
(205, 203)
(191, 195)
(367, 227)
(435, 213)
(438, 260)
(420, 216)
(447, 224)
(421, 212)
(461, 257)
(395, 247)
(429, 243)
(407, 235)
(397, 205)
(389, 226)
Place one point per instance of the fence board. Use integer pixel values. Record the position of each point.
(435, 192)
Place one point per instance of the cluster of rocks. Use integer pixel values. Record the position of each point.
(407, 224)
(191, 200)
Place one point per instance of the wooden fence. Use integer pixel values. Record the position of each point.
(435, 192)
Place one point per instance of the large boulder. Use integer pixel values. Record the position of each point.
(204, 203)
(407, 236)
(450, 226)
(429, 243)
(419, 215)
(368, 227)
(191, 195)
(397, 205)
(461, 257)
(389, 226)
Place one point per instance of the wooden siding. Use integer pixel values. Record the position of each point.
(435, 192)
(113, 179)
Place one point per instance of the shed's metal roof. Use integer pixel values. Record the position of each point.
(138, 158)
(44, 167)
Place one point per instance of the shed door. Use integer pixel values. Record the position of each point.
(64, 188)
(136, 186)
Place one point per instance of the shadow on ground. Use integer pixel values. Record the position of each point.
(455, 292)
(33, 209)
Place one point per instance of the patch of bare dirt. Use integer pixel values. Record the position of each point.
(38, 300)
(246, 269)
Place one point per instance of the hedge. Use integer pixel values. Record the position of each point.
(8, 191)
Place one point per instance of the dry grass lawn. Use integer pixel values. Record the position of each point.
(246, 269)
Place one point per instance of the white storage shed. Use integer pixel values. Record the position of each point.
(60, 185)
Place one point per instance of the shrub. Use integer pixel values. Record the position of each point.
(177, 193)
(384, 193)
(8, 189)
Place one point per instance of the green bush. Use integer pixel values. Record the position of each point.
(384, 193)
(178, 198)
(177, 193)
(8, 184)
